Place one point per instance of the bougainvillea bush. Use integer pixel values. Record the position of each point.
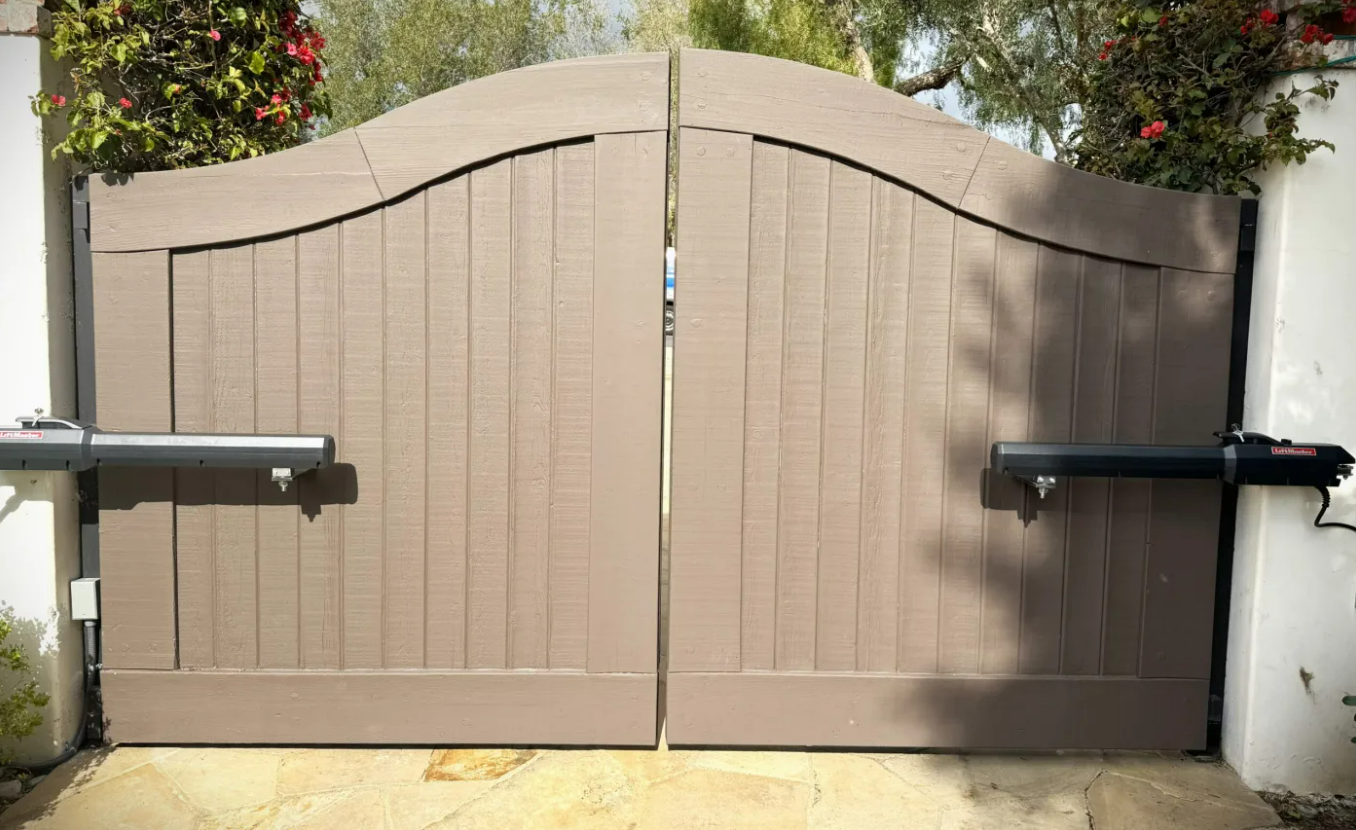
(1178, 98)
(165, 84)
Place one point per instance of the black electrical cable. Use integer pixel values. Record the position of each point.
(1327, 502)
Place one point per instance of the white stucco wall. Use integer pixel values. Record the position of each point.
(1293, 609)
(39, 542)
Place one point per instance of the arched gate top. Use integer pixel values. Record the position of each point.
(384, 158)
(955, 164)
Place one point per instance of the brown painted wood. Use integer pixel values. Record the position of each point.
(987, 711)
(1130, 500)
(320, 533)
(405, 433)
(327, 707)
(131, 344)
(276, 411)
(840, 507)
(1053, 368)
(628, 365)
(883, 453)
(1191, 392)
(954, 163)
(969, 386)
(194, 512)
(533, 408)
(1009, 414)
(235, 525)
(489, 451)
(387, 157)
(448, 289)
(802, 409)
(360, 442)
(708, 394)
(927, 353)
(572, 429)
(1089, 506)
(762, 404)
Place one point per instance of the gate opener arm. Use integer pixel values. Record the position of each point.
(44, 443)
(1239, 458)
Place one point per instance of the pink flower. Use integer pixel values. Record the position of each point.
(259, 113)
(215, 35)
(277, 99)
(292, 49)
(124, 103)
(281, 117)
(59, 100)
(1153, 131)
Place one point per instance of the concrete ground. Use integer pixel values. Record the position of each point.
(361, 789)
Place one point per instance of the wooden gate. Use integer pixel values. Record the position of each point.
(467, 293)
(868, 294)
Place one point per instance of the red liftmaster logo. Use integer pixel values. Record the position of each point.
(1293, 451)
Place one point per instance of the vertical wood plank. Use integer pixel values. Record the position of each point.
(235, 530)
(194, 490)
(132, 343)
(708, 400)
(360, 442)
(319, 539)
(628, 361)
(1054, 345)
(844, 400)
(1195, 316)
(404, 420)
(807, 239)
(572, 433)
(488, 484)
(883, 459)
(275, 369)
(1094, 413)
(448, 307)
(1009, 410)
(968, 398)
(924, 436)
(533, 256)
(1130, 497)
(762, 404)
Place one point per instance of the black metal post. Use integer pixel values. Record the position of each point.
(1224, 565)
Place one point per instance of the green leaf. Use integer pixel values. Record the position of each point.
(97, 140)
(1149, 16)
(1220, 60)
(238, 16)
(256, 63)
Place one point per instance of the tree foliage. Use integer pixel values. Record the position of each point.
(158, 84)
(385, 53)
(20, 701)
(1177, 99)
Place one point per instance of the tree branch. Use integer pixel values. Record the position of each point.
(989, 30)
(842, 12)
(934, 78)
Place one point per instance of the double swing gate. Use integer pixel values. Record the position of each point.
(467, 293)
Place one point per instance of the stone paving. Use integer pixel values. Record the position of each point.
(463, 789)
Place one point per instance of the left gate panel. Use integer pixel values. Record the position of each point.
(487, 351)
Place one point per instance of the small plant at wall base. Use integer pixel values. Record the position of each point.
(160, 84)
(21, 704)
(1177, 101)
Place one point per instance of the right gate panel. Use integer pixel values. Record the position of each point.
(869, 295)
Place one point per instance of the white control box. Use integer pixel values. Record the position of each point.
(85, 598)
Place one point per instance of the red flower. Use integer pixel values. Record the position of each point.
(292, 49)
(1349, 14)
(259, 113)
(59, 100)
(318, 42)
(277, 99)
(306, 56)
(1163, 21)
(1107, 44)
(1310, 32)
(287, 95)
(305, 112)
(214, 34)
(1244, 29)
(124, 103)
(1268, 17)
(281, 117)
(1153, 131)
(125, 8)
(1325, 38)
(1102, 56)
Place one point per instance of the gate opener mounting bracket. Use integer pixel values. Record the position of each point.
(46, 443)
